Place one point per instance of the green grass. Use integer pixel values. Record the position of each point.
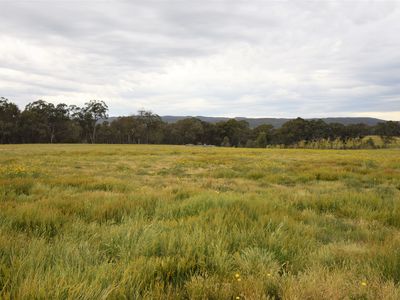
(175, 222)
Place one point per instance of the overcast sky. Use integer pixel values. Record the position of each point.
(250, 58)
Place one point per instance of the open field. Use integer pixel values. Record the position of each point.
(175, 222)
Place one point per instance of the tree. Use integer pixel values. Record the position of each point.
(250, 144)
(125, 129)
(58, 121)
(262, 135)
(317, 130)
(387, 131)
(36, 122)
(41, 122)
(189, 131)
(237, 131)
(225, 142)
(293, 131)
(354, 131)
(108, 134)
(44, 122)
(261, 140)
(89, 115)
(212, 134)
(337, 131)
(151, 125)
(9, 117)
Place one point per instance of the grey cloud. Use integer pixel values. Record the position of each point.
(210, 57)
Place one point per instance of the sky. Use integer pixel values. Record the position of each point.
(251, 58)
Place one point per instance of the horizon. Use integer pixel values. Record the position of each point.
(111, 115)
(244, 117)
(288, 118)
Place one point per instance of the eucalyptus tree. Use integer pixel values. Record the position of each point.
(237, 132)
(88, 117)
(9, 117)
(36, 122)
(387, 130)
(150, 125)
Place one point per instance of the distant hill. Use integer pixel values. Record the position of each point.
(276, 122)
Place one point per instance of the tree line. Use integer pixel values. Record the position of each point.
(44, 122)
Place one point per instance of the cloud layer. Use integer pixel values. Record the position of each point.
(216, 58)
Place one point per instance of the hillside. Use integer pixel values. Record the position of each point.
(276, 122)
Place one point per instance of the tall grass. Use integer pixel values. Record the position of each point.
(170, 222)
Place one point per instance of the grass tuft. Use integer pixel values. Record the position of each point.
(171, 222)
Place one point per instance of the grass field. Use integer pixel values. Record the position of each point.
(175, 222)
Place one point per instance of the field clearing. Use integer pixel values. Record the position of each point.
(176, 222)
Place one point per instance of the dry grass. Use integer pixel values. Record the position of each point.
(174, 222)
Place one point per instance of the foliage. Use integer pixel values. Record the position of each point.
(43, 122)
(89, 115)
(9, 116)
(387, 131)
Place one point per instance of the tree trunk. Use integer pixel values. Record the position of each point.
(94, 134)
(52, 136)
